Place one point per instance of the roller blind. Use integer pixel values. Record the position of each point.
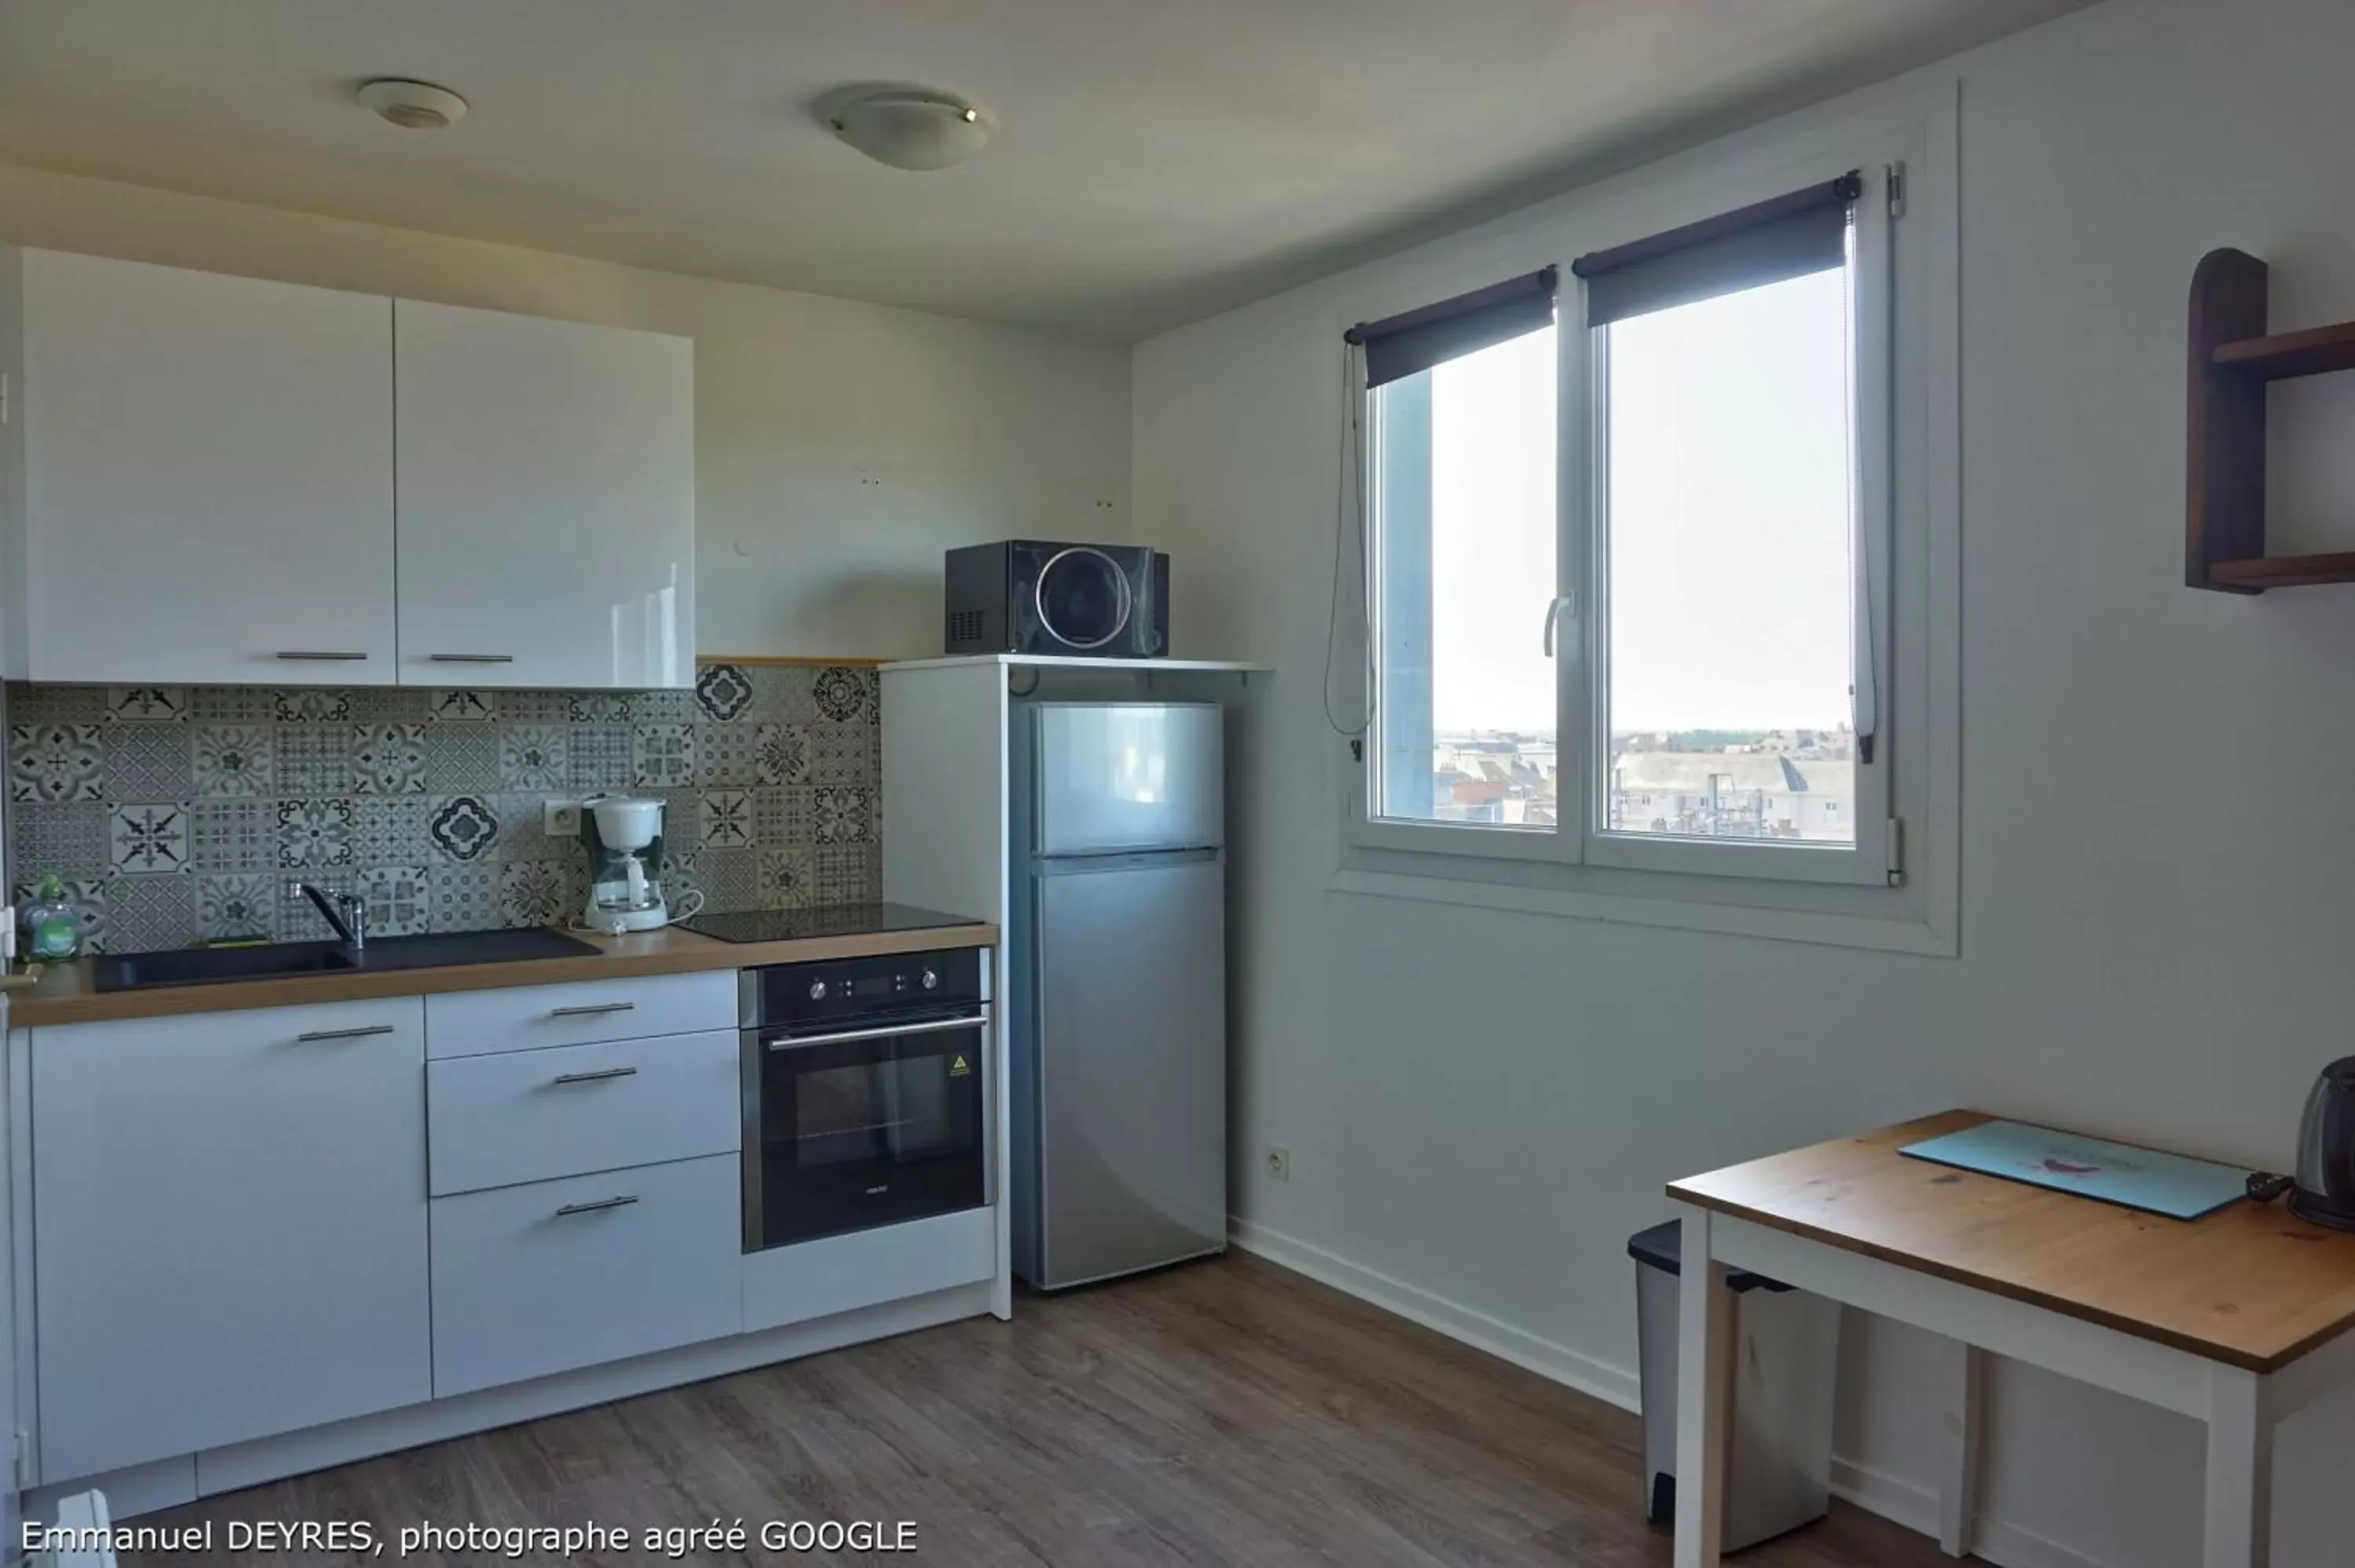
(1414, 340)
(1787, 237)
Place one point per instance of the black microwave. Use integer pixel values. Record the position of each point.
(1032, 595)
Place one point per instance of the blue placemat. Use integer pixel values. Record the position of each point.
(2144, 1179)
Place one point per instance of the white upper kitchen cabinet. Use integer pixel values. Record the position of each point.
(229, 1228)
(206, 482)
(547, 513)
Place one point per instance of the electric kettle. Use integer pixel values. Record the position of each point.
(2325, 1150)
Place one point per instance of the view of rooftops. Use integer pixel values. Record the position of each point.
(1755, 784)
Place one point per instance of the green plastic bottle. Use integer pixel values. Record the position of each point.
(52, 924)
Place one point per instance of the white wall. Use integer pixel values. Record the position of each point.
(2159, 874)
(839, 447)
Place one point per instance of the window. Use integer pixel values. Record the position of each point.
(1462, 500)
(1627, 532)
(1727, 530)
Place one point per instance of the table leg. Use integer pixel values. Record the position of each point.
(1965, 1374)
(2240, 1470)
(1704, 1387)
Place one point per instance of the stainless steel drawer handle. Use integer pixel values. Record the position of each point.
(599, 1207)
(319, 655)
(593, 1009)
(934, 1027)
(602, 1075)
(345, 1033)
(472, 658)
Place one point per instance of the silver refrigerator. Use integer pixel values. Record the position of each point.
(1116, 1006)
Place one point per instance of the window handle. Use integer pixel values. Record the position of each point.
(1565, 606)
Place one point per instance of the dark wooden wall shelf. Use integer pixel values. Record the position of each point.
(2308, 353)
(2231, 359)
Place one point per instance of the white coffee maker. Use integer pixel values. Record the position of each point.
(624, 834)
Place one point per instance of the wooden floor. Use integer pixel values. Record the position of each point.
(1228, 1411)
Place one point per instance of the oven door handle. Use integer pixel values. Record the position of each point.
(934, 1026)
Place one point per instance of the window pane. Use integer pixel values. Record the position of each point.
(1729, 536)
(1465, 525)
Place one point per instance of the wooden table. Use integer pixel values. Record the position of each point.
(2238, 1319)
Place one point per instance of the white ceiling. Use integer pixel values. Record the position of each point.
(1160, 159)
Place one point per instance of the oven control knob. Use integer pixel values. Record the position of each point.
(817, 990)
(932, 982)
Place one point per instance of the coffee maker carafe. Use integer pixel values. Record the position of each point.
(623, 835)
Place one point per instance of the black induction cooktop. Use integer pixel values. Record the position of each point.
(823, 920)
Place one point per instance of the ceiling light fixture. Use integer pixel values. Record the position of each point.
(412, 105)
(911, 127)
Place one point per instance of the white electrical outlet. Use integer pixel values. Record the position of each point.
(560, 818)
(1279, 1162)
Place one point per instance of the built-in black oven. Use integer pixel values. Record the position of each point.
(866, 1096)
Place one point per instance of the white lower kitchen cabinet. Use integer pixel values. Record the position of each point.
(266, 1242)
(552, 1276)
(230, 1227)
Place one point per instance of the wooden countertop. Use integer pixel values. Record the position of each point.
(61, 993)
(2251, 1286)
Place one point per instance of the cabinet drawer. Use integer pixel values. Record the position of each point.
(865, 1268)
(524, 1018)
(531, 1116)
(541, 1278)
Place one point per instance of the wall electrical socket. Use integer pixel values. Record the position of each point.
(1279, 1162)
(560, 818)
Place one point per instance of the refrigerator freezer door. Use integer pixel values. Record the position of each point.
(1132, 1063)
(1116, 776)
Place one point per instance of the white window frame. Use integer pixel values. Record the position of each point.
(1896, 887)
(1492, 839)
(1865, 861)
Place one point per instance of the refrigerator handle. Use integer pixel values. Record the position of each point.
(1034, 1035)
(1121, 860)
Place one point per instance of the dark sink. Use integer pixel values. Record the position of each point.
(211, 965)
(444, 947)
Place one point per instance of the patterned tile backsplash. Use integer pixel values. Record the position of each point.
(177, 814)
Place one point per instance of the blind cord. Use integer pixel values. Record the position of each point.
(1352, 482)
(1864, 684)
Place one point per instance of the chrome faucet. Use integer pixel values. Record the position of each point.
(346, 912)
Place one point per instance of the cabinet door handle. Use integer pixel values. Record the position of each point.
(599, 1207)
(471, 658)
(594, 1010)
(316, 655)
(345, 1033)
(603, 1075)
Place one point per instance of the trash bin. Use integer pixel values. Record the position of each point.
(1786, 1356)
